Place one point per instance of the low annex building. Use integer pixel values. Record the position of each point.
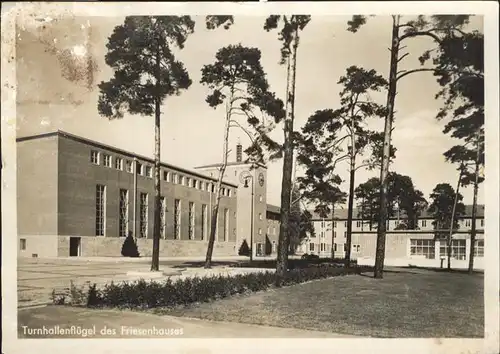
(403, 247)
(78, 197)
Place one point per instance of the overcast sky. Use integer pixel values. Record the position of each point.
(192, 131)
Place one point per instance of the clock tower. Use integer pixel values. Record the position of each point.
(251, 180)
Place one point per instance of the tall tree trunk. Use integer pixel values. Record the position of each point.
(155, 259)
(286, 182)
(371, 215)
(218, 187)
(450, 234)
(350, 203)
(474, 208)
(384, 172)
(333, 230)
(347, 258)
(363, 215)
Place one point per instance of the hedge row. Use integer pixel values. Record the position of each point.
(142, 294)
(293, 263)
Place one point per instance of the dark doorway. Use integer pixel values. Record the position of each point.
(74, 246)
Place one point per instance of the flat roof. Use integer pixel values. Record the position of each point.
(232, 163)
(341, 214)
(119, 151)
(273, 209)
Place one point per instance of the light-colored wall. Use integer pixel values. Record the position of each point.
(340, 229)
(233, 174)
(38, 246)
(111, 247)
(398, 251)
(37, 169)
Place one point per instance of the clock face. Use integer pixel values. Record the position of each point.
(261, 179)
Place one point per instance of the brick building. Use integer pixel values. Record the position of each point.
(77, 197)
(402, 247)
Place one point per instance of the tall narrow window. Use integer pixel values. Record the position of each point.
(100, 210)
(94, 157)
(149, 171)
(107, 160)
(139, 167)
(163, 210)
(226, 224)
(123, 224)
(119, 163)
(143, 221)
(479, 248)
(128, 166)
(191, 221)
(204, 221)
(177, 219)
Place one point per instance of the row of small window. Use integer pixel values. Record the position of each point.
(324, 247)
(147, 171)
(271, 230)
(325, 224)
(426, 248)
(322, 234)
(144, 216)
(261, 248)
(423, 223)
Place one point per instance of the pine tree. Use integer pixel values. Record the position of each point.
(237, 79)
(435, 27)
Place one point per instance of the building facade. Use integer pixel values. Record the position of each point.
(258, 222)
(403, 248)
(77, 197)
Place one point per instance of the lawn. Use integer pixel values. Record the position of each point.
(406, 303)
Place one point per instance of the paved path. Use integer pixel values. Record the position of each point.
(38, 277)
(127, 324)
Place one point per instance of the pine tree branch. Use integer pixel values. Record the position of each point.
(366, 165)
(242, 128)
(421, 33)
(339, 160)
(337, 142)
(408, 72)
(403, 56)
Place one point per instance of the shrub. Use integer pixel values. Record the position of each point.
(268, 247)
(129, 247)
(77, 295)
(244, 249)
(141, 294)
(93, 296)
(58, 298)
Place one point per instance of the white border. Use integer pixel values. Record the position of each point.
(9, 240)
